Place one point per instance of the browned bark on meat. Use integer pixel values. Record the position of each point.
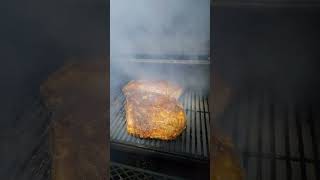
(153, 111)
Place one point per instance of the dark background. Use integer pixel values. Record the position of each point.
(268, 46)
(36, 38)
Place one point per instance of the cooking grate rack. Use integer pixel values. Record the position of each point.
(192, 143)
(124, 172)
(278, 141)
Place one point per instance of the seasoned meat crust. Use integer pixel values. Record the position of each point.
(156, 86)
(153, 111)
(151, 115)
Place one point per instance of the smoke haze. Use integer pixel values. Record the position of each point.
(166, 27)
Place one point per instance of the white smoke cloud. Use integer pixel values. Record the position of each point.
(159, 27)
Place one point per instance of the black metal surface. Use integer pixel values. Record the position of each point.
(41, 160)
(161, 163)
(191, 144)
(124, 172)
(35, 121)
(276, 140)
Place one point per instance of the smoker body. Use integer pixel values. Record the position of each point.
(162, 40)
(188, 155)
(266, 53)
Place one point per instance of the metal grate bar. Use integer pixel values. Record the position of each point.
(273, 165)
(193, 142)
(277, 157)
(301, 144)
(184, 135)
(266, 140)
(207, 115)
(188, 134)
(287, 146)
(198, 125)
(203, 126)
(115, 124)
(193, 129)
(125, 172)
(261, 117)
(314, 142)
(276, 140)
(246, 142)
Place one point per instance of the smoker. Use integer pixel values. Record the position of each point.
(190, 151)
(264, 52)
(161, 40)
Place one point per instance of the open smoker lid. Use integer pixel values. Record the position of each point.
(160, 28)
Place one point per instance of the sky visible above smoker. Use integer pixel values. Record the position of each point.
(159, 26)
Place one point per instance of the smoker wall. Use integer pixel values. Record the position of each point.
(272, 48)
(36, 38)
(269, 57)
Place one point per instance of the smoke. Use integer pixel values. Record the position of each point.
(166, 27)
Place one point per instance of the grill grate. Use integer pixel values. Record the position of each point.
(276, 140)
(124, 172)
(192, 143)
